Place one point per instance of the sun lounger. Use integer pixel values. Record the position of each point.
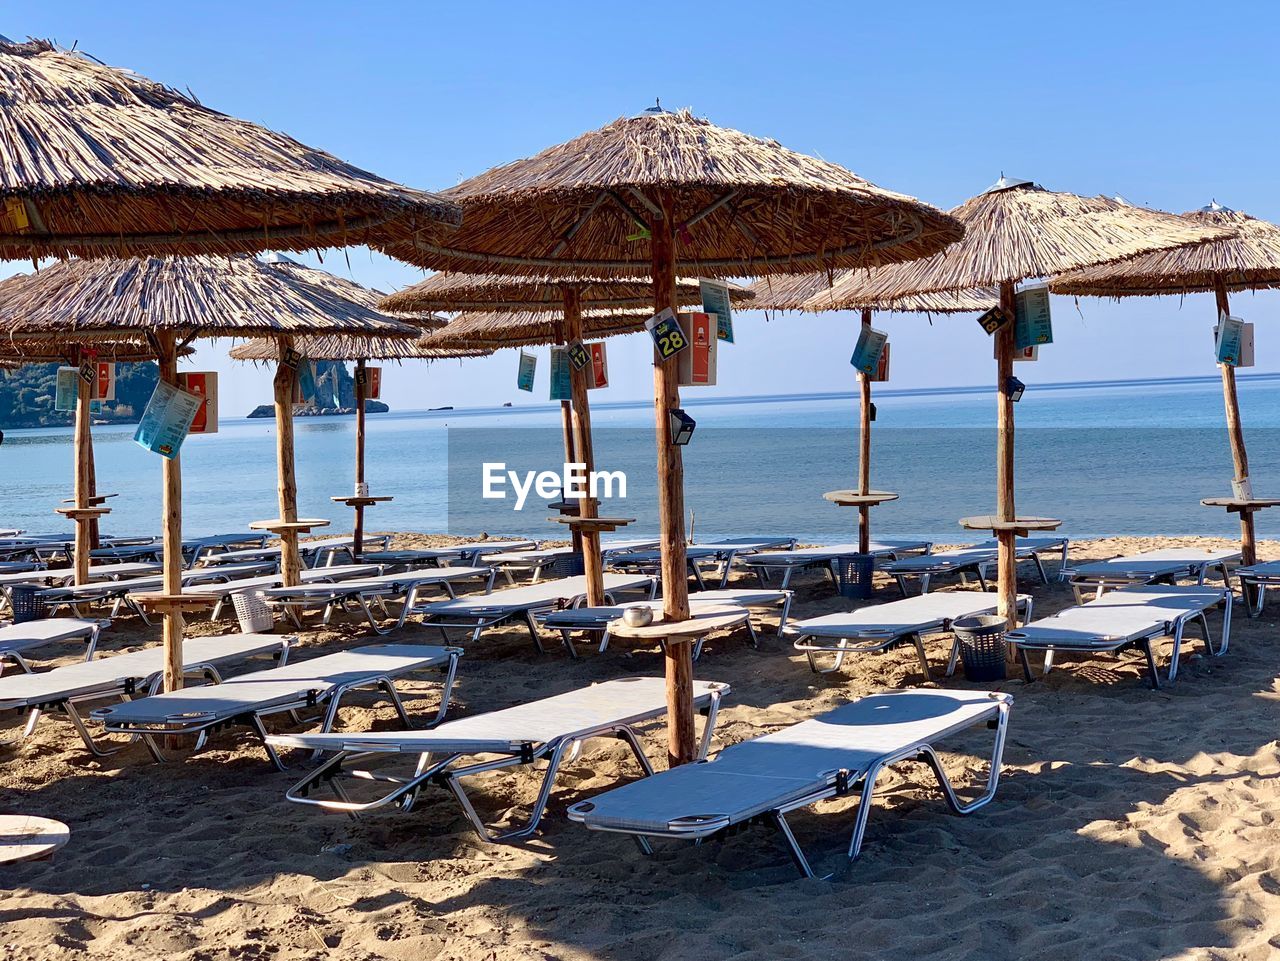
(196, 548)
(123, 676)
(596, 619)
(539, 561)
(119, 593)
(723, 553)
(1168, 565)
(17, 638)
(133, 552)
(356, 594)
(1132, 617)
(879, 627)
(973, 559)
(1254, 581)
(767, 563)
(249, 698)
(469, 555)
(412, 559)
(475, 614)
(225, 590)
(832, 755)
(325, 551)
(547, 729)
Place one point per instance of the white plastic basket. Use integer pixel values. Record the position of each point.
(252, 612)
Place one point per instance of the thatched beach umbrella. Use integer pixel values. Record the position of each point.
(360, 349)
(662, 195)
(1016, 230)
(805, 292)
(520, 311)
(104, 162)
(170, 301)
(1249, 260)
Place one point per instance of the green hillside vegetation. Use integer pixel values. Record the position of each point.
(26, 396)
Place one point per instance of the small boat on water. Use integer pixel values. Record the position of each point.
(441, 408)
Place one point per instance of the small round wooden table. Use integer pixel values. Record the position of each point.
(280, 526)
(158, 602)
(588, 531)
(864, 502)
(597, 525)
(358, 503)
(703, 619)
(24, 837)
(1246, 509)
(85, 518)
(1018, 527)
(288, 531)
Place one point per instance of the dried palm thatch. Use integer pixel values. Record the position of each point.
(86, 300)
(493, 330)
(97, 161)
(1016, 230)
(339, 347)
(806, 292)
(741, 206)
(1250, 260)
(494, 292)
(17, 353)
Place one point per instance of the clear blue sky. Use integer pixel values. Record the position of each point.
(1167, 103)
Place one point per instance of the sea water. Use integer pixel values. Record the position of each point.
(1115, 458)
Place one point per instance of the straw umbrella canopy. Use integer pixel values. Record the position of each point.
(103, 162)
(1249, 260)
(519, 311)
(342, 347)
(175, 300)
(663, 194)
(1017, 230)
(804, 292)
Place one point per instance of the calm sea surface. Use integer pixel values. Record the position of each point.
(1121, 458)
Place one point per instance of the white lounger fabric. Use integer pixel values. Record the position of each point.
(1170, 563)
(877, 627)
(17, 638)
(764, 562)
(1133, 616)
(520, 735)
(800, 765)
(308, 683)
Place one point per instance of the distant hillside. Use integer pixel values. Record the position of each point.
(335, 394)
(26, 396)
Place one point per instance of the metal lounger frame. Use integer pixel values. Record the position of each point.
(357, 601)
(763, 572)
(435, 769)
(875, 641)
(92, 634)
(978, 567)
(66, 706)
(1174, 628)
(1101, 583)
(331, 698)
(842, 783)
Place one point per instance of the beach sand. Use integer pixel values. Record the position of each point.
(1130, 823)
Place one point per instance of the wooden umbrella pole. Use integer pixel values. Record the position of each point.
(864, 451)
(95, 540)
(171, 469)
(1006, 564)
(287, 484)
(1235, 432)
(566, 425)
(81, 491)
(593, 565)
(358, 530)
(675, 575)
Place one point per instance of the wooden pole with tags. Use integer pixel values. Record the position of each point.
(361, 390)
(1006, 563)
(587, 508)
(566, 426)
(1235, 433)
(864, 450)
(171, 468)
(82, 489)
(286, 480)
(675, 575)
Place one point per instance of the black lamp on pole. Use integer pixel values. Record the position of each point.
(682, 426)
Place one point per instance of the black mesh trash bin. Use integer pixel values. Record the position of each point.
(27, 603)
(982, 648)
(568, 565)
(854, 573)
